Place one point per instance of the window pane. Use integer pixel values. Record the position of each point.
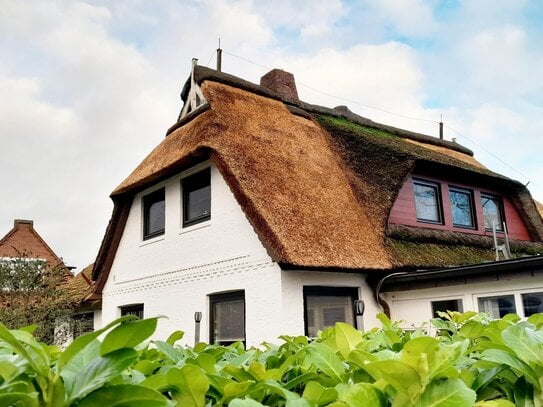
(532, 303)
(154, 215)
(427, 202)
(228, 318)
(462, 213)
(196, 197)
(324, 311)
(497, 306)
(446, 305)
(492, 212)
(136, 309)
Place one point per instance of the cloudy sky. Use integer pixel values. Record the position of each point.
(88, 88)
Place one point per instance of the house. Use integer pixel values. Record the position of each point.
(24, 242)
(260, 215)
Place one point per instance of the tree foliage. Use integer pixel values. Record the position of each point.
(32, 292)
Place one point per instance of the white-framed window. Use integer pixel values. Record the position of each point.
(324, 306)
(196, 197)
(227, 314)
(454, 304)
(132, 309)
(524, 303)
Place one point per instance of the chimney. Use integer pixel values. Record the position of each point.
(281, 82)
(20, 223)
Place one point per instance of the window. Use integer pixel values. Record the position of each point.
(532, 303)
(492, 212)
(196, 197)
(462, 208)
(227, 323)
(497, 306)
(154, 207)
(324, 306)
(427, 201)
(446, 305)
(134, 309)
(83, 323)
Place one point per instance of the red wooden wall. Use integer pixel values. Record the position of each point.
(403, 211)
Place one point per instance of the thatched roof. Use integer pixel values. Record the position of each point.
(317, 184)
(81, 286)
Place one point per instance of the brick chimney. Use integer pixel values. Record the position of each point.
(281, 82)
(23, 223)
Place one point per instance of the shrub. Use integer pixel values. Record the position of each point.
(473, 361)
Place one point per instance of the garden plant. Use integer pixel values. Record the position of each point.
(470, 360)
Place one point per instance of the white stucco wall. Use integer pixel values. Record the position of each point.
(414, 307)
(173, 275)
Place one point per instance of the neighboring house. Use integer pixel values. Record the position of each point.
(23, 241)
(272, 216)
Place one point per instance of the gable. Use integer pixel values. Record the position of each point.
(24, 240)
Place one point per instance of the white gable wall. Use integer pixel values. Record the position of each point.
(173, 274)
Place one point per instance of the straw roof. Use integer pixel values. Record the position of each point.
(317, 184)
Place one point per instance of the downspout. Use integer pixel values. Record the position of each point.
(377, 292)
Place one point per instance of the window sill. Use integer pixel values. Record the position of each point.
(195, 227)
(152, 240)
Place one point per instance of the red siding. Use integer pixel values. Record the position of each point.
(403, 211)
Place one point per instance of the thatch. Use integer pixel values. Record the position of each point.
(283, 172)
(81, 285)
(317, 184)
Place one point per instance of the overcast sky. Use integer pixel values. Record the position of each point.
(87, 89)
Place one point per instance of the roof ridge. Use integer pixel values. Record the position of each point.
(202, 73)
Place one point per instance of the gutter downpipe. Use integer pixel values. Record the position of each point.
(382, 303)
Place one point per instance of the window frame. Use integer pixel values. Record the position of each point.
(147, 201)
(185, 197)
(439, 204)
(472, 207)
(329, 291)
(459, 302)
(225, 297)
(499, 202)
(131, 309)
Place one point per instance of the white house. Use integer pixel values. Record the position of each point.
(271, 216)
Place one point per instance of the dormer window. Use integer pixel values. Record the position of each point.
(154, 214)
(196, 197)
(427, 201)
(492, 212)
(462, 208)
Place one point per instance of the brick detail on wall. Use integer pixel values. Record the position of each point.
(281, 82)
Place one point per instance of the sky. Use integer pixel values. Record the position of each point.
(89, 88)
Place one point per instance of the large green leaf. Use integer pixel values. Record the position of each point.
(33, 352)
(79, 363)
(244, 403)
(19, 399)
(192, 383)
(82, 341)
(524, 393)
(320, 395)
(525, 342)
(504, 358)
(99, 371)
(347, 338)
(361, 395)
(447, 393)
(402, 377)
(326, 361)
(128, 335)
(124, 395)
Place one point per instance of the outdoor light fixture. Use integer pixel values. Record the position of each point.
(359, 307)
(197, 319)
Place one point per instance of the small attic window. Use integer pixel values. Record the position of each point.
(154, 214)
(196, 197)
(428, 201)
(492, 212)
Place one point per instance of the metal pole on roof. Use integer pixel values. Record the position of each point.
(441, 128)
(219, 56)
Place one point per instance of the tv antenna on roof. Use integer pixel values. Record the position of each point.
(219, 57)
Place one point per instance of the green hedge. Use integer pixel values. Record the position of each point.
(472, 361)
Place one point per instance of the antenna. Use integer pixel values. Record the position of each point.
(219, 57)
(441, 128)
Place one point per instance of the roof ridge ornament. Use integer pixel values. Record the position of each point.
(195, 96)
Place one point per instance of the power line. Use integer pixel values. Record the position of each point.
(385, 111)
(488, 152)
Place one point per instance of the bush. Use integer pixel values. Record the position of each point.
(472, 361)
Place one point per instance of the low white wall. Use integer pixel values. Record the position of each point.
(414, 307)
